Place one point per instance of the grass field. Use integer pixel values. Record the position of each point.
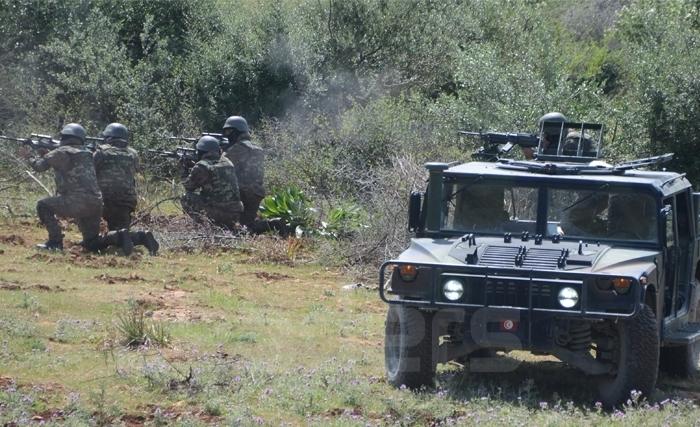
(246, 343)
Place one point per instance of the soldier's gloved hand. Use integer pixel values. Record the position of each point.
(42, 151)
(24, 152)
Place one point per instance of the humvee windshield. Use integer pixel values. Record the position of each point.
(496, 208)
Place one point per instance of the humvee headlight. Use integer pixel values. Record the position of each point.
(408, 272)
(453, 289)
(568, 297)
(621, 284)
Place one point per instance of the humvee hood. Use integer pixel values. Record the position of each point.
(429, 251)
(495, 253)
(625, 262)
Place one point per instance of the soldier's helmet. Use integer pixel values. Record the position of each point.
(551, 127)
(117, 131)
(73, 130)
(238, 123)
(208, 144)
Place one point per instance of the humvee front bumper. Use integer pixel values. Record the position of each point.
(523, 290)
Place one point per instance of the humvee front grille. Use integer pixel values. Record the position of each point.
(518, 292)
(532, 258)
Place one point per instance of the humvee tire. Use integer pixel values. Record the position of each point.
(681, 361)
(637, 362)
(409, 347)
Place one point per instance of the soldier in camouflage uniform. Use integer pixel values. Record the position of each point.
(214, 177)
(116, 164)
(78, 195)
(248, 159)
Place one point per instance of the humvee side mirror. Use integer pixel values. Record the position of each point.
(414, 203)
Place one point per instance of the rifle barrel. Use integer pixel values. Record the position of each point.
(11, 138)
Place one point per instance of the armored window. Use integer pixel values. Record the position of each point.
(489, 207)
(602, 215)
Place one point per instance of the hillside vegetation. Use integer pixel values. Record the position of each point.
(350, 97)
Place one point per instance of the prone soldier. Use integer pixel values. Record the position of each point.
(248, 160)
(212, 186)
(78, 195)
(116, 165)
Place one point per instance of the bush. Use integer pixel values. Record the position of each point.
(290, 208)
(137, 330)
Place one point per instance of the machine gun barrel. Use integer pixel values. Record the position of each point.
(498, 143)
(502, 138)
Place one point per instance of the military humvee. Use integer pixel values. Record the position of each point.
(565, 255)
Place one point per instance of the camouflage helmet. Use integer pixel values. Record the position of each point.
(73, 130)
(238, 123)
(208, 144)
(117, 131)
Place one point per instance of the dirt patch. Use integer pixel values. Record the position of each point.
(47, 288)
(132, 420)
(170, 413)
(39, 257)
(174, 306)
(6, 382)
(7, 286)
(11, 286)
(12, 239)
(48, 415)
(149, 304)
(270, 277)
(111, 280)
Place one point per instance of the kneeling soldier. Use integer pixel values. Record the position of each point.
(78, 195)
(212, 187)
(116, 164)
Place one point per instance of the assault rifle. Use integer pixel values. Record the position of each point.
(220, 137)
(35, 141)
(497, 144)
(186, 157)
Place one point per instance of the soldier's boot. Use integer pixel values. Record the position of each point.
(47, 217)
(51, 245)
(125, 241)
(147, 239)
(119, 238)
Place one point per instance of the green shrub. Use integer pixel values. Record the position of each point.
(290, 207)
(343, 221)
